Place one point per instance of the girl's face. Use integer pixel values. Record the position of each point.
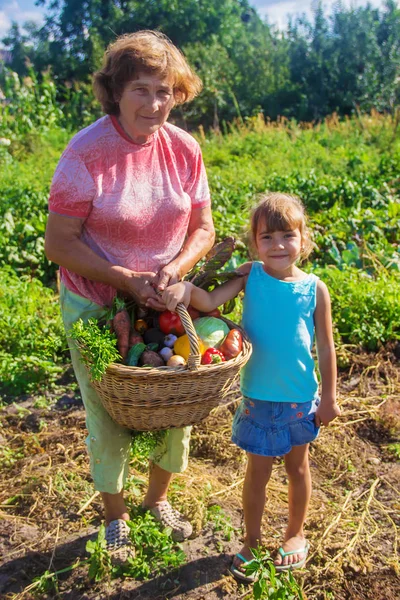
(279, 250)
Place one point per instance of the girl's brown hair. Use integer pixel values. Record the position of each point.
(282, 212)
(144, 51)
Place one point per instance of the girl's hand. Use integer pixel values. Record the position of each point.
(326, 412)
(174, 294)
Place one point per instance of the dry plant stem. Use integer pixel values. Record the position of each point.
(88, 503)
(332, 524)
(227, 489)
(55, 545)
(353, 541)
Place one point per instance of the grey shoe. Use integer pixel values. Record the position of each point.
(118, 543)
(169, 517)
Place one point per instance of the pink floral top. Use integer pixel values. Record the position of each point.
(135, 200)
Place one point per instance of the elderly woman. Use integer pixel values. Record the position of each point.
(129, 211)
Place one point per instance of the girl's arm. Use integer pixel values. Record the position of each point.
(328, 408)
(204, 301)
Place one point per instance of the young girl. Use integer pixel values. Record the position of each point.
(281, 411)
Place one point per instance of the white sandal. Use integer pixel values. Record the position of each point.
(118, 543)
(169, 517)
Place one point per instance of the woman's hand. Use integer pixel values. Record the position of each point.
(168, 275)
(174, 294)
(141, 287)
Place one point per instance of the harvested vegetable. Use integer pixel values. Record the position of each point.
(193, 312)
(154, 336)
(232, 344)
(211, 331)
(149, 358)
(122, 326)
(212, 356)
(166, 353)
(134, 354)
(182, 346)
(215, 260)
(134, 338)
(140, 326)
(176, 361)
(170, 340)
(169, 322)
(213, 313)
(97, 346)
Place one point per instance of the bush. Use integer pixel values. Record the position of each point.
(32, 337)
(365, 308)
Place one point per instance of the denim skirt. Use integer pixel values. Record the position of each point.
(273, 428)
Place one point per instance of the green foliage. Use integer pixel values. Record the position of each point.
(97, 345)
(31, 334)
(345, 171)
(269, 584)
(155, 552)
(365, 308)
(221, 521)
(346, 62)
(9, 456)
(31, 106)
(143, 445)
(46, 583)
(394, 450)
(99, 560)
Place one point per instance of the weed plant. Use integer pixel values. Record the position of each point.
(155, 552)
(269, 584)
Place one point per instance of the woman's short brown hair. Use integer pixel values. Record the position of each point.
(144, 51)
(282, 212)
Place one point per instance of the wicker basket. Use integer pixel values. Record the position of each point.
(146, 399)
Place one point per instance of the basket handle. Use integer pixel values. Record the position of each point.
(194, 359)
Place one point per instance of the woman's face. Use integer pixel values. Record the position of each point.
(145, 105)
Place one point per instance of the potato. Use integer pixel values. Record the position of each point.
(150, 359)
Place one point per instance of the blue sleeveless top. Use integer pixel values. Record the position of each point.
(278, 317)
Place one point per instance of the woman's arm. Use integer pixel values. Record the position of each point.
(201, 236)
(328, 408)
(63, 245)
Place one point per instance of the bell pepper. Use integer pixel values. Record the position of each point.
(232, 344)
(212, 356)
(182, 346)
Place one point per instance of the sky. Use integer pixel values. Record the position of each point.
(276, 12)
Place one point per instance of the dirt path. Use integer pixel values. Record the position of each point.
(49, 511)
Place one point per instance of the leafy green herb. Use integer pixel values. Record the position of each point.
(97, 346)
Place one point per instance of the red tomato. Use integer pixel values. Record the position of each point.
(193, 312)
(170, 322)
(213, 313)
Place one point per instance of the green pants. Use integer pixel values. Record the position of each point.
(108, 443)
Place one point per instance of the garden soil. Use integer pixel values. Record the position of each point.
(49, 509)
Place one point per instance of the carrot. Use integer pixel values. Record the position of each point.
(122, 325)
